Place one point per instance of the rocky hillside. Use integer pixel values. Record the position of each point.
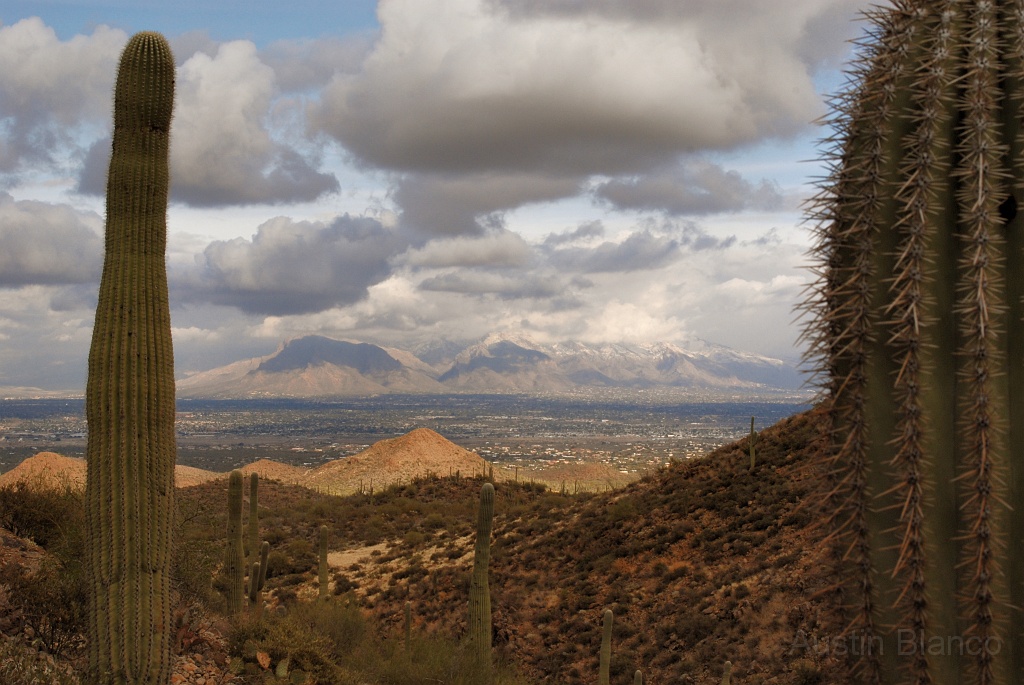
(702, 562)
(418, 454)
(49, 469)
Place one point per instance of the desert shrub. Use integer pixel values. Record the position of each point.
(193, 563)
(21, 665)
(433, 521)
(52, 601)
(336, 644)
(278, 563)
(342, 584)
(44, 515)
(414, 538)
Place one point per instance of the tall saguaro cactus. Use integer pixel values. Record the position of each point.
(234, 560)
(920, 329)
(479, 592)
(130, 388)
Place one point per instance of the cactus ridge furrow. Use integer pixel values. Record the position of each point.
(918, 337)
(130, 388)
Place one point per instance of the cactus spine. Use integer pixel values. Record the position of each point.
(323, 563)
(605, 665)
(479, 592)
(234, 561)
(130, 388)
(920, 332)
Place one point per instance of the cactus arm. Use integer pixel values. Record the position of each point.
(130, 388)
(264, 555)
(921, 335)
(254, 588)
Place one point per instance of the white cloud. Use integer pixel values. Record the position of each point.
(222, 149)
(49, 88)
(466, 85)
(291, 267)
(44, 243)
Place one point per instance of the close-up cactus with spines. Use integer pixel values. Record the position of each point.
(130, 404)
(919, 329)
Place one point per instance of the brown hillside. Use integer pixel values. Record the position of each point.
(417, 454)
(49, 469)
(700, 562)
(274, 470)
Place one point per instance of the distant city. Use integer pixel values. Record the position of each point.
(631, 432)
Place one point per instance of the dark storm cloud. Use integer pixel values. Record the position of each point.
(442, 205)
(641, 251)
(285, 177)
(48, 244)
(499, 249)
(655, 245)
(692, 187)
(293, 267)
(504, 286)
(591, 229)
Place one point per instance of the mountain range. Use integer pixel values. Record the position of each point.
(316, 366)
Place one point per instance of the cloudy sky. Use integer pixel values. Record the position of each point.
(399, 171)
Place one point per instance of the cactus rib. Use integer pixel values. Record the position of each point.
(130, 388)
